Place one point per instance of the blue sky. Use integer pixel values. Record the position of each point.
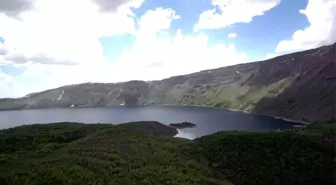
(277, 24)
(60, 42)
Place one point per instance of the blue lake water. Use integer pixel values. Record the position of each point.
(208, 120)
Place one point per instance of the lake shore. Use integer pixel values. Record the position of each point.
(248, 112)
(275, 117)
(169, 105)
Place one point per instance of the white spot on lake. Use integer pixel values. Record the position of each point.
(183, 133)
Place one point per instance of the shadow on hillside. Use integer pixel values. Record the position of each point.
(311, 96)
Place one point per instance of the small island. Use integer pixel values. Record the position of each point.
(183, 125)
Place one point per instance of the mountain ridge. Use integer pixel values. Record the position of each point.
(297, 86)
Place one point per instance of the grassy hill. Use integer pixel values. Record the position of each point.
(299, 86)
(146, 153)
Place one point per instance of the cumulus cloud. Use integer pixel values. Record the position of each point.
(14, 7)
(6, 85)
(61, 32)
(229, 12)
(232, 35)
(19, 58)
(156, 54)
(159, 58)
(3, 49)
(321, 15)
(153, 57)
(157, 20)
(114, 5)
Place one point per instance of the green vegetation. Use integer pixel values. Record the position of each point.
(182, 125)
(300, 156)
(7, 104)
(145, 153)
(71, 153)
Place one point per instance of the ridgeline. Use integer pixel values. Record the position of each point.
(299, 86)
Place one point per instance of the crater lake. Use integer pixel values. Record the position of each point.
(208, 120)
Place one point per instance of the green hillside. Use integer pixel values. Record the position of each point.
(71, 153)
(146, 153)
(299, 86)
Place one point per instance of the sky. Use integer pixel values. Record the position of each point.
(50, 43)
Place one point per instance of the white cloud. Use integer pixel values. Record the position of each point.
(270, 55)
(158, 58)
(14, 7)
(233, 11)
(57, 32)
(321, 15)
(114, 5)
(232, 35)
(156, 54)
(153, 57)
(62, 32)
(6, 85)
(156, 20)
(3, 49)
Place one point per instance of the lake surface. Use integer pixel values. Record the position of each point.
(208, 120)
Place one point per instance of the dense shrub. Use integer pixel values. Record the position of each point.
(72, 154)
(273, 158)
(144, 153)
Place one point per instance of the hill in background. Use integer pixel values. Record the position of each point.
(298, 86)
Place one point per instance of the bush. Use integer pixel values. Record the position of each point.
(289, 158)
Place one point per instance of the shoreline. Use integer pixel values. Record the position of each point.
(286, 119)
(169, 105)
(275, 117)
(248, 112)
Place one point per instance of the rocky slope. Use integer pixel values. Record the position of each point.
(298, 86)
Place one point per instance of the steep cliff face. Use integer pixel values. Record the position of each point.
(311, 94)
(299, 86)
